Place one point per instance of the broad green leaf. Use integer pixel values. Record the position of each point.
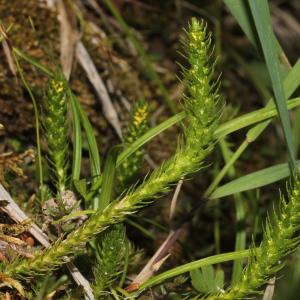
(198, 282)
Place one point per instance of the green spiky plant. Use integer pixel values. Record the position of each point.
(279, 239)
(56, 129)
(113, 245)
(137, 127)
(201, 107)
(202, 113)
(112, 248)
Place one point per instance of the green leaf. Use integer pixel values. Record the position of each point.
(240, 10)
(37, 123)
(223, 130)
(251, 118)
(33, 62)
(108, 179)
(203, 280)
(198, 281)
(219, 278)
(92, 144)
(77, 139)
(291, 83)
(253, 180)
(149, 135)
(193, 266)
(81, 187)
(262, 19)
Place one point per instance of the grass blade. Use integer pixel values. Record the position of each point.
(262, 19)
(193, 266)
(92, 144)
(32, 61)
(251, 118)
(77, 140)
(223, 130)
(240, 237)
(253, 180)
(241, 12)
(37, 123)
(290, 84)
(150, 134)
(108, 180)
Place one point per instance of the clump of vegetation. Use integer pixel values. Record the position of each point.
(86, 218)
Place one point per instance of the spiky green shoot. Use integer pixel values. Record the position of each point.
(111, 251)
(56, 129)
(279, 239)
(137, 127)
(202, 113)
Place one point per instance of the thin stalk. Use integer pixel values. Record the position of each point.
(37, 125)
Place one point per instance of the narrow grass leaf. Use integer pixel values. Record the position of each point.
(37, 123)
(223, 130)
(242, 13)
(262, 19)
(240, 237)
(290, 84)
(207, 261)
(77, 139)
(251, 118)
(149, 135)
(253, 180)
(92, 144)
(108, 179)
(33, 62)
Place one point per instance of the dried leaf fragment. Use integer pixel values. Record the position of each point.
(10, 161)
